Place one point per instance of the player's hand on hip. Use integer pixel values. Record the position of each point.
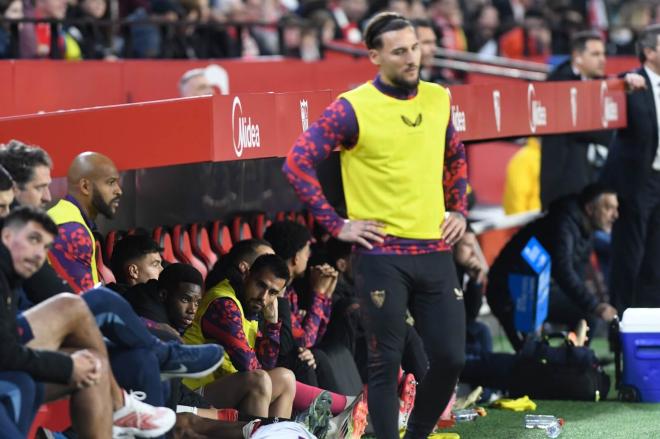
(362, 232)
(454, 227)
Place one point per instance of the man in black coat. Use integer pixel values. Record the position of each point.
(566, 234)
(570, 161)
(633, 170)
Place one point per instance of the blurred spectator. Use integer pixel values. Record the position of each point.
(347, 15)
(482, 37)
(12, 9)
(565, 23)
(512, 12)
(418, 9)
(95, 41)
(309, 42)
(292, 37)
(448, 18)
(401, 7)
(522, 188)
(212, 79)
(633, 17)
(428, 43)
(532, 38)
(66, 46)
(195, 83)
(323, 20)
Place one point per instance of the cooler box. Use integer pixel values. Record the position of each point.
(530, 287)
(640, 349)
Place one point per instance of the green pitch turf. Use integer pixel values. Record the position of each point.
(608, 419)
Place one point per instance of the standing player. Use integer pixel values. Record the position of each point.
(404, 174)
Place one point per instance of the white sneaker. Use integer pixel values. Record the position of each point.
(139, 419)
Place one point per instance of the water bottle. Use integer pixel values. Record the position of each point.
(539, 421)
(465, 415)
(554, 430)
(551, 424)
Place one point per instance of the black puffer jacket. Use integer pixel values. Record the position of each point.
(42, 365)
(567, 236)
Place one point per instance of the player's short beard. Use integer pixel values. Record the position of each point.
(406, 85)
(100, 205)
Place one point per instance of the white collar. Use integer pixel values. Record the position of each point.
(654, 77)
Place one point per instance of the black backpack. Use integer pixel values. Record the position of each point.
(568, 372)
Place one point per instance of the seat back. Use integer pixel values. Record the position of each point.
(220, 238)
(183, 249)
(105, 274)
(240, 229)
(110, 240)
(201, 245)
(164, 241)
(258, 224)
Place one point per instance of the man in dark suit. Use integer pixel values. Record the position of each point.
(633, 170)
(570, 161)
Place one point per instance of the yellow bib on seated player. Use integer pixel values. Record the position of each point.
(401, 144)
(195, 335)
(67, 212)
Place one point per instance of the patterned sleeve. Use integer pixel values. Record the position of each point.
(268, 345)
(222, 322)
(336, 127)
(316, 320)
(309, 327)
(455, 172)
(71, 256)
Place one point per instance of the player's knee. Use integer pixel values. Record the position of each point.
(287, 378)
(259, 382)
(71, 304)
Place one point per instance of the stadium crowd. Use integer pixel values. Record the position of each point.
(196, 29)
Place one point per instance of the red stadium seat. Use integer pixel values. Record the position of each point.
(285, 216)
(183, 249)
(310, 220)
(240, 229)
(301, 219)
(53, 416)
(259, 225)
(220, 238)
(110, 240)
(164, 241)
(201, 245)
(105, 274)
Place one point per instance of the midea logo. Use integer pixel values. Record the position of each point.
(609, 107)
(248, 134)
(538, 115)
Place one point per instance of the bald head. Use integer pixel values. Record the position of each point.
(93, 180)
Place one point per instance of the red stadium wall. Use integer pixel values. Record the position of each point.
(262, 125)
(33, 86)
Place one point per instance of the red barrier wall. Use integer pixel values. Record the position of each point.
(259, 125)
(33, 86)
